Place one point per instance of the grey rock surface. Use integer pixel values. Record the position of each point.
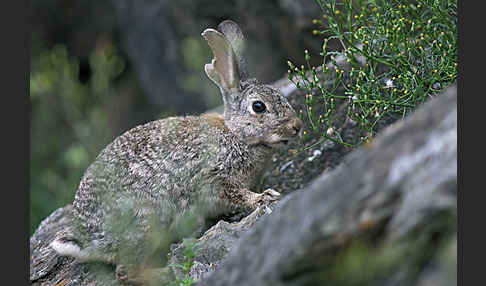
(216, 242)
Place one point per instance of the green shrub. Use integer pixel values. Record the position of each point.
(393, 56)
(190, 252)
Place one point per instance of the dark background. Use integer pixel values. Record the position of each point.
(99, 68)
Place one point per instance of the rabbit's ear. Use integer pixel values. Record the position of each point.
(223, 69)
(233, 33)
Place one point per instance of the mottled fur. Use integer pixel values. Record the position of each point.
(158, 173)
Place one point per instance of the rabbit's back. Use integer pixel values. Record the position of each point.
(162, 168)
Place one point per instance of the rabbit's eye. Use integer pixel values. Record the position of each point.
(258, 106)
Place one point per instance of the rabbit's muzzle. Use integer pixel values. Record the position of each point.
(291, 130)
(287, 131)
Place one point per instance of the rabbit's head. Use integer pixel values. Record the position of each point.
(255, 112)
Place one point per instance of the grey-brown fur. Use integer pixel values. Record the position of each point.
(156, 174)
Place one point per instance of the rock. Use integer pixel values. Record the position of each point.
(216, 243)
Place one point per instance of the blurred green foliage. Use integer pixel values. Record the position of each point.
(195, 54)
(70, 122)
(399, 53)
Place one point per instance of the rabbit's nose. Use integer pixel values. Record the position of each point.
(296, 125)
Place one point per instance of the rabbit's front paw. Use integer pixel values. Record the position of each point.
(269, 195)
(121, 272)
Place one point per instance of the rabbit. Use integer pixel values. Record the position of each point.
(159, 177)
